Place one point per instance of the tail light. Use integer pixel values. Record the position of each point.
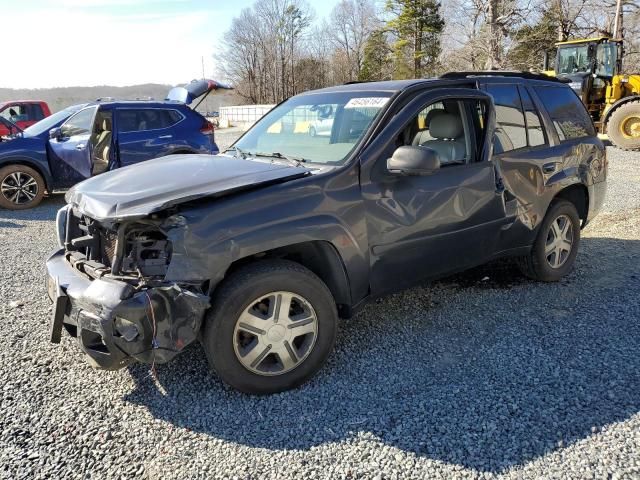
(207, 128)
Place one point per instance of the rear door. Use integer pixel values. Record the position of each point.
(145, 133)
(73, 146)
(525, 155)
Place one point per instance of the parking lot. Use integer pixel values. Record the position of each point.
(482, 375)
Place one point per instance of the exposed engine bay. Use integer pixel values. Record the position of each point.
(126, 309)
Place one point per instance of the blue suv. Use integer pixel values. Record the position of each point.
(85, 140)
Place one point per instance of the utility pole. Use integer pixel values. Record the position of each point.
(617, 26)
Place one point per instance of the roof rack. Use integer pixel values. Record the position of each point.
(505, 73)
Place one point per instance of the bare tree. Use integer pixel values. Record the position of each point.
(262, 47)
(353, 22)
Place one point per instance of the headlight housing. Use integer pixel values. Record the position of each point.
(61, 224)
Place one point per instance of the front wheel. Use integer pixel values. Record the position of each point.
(623, 127)
(21, 187)
(554, 251)
(272, 326)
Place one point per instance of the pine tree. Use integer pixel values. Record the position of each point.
(532, 41)
(417, 26)
(376, 58)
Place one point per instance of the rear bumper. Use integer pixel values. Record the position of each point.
(115, 323)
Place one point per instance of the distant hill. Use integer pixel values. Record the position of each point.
(59, 98)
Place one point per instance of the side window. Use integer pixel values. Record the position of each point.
(79, 124)
(535, 130)
(35, 112)
(511, 131)
(15, 113)
(567, 112)
(173, 117)
(138, 120)
(451, 128)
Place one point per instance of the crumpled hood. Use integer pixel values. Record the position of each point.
(154, 185)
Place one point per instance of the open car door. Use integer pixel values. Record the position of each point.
(8, 128)
(71, 142)
(196, 89)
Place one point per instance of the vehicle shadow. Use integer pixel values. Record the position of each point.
(6, 224)
(45, 211)
(486, 378)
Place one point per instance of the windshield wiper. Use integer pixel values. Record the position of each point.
(296, 161)
(243, 154)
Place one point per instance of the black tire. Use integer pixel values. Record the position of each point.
(537, 265)
(32, 186)
(237, 294)
(621, 120)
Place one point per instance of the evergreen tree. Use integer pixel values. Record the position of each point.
(376, 58)
(417, 26)
(532, 41)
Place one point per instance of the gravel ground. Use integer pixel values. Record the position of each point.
(442, 381)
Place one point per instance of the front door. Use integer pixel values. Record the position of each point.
(72, 147)
(424, 226)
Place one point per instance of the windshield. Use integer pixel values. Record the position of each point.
(573, 58)
(50, 122)
(318, 127)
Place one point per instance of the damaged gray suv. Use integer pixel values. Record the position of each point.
(258, 251)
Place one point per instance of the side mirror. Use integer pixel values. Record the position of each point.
(55, 133)
(413, 160)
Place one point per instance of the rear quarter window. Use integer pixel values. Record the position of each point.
(567, 112)
(139, 120)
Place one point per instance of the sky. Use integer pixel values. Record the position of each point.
(62, 43)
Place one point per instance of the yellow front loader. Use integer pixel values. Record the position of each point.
(593, 67)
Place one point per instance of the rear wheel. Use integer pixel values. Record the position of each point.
(312, 131)
(623, 127)
(556, 246)
(272, 326)
(21, 187)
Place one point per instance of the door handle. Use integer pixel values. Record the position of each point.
(165, 136)
(549, 167)
(80, 146)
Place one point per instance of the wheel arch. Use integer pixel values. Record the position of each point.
(28, 162)
(578, 194)
(319, 256)
(618, 103)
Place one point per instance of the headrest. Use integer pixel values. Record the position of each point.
(106, 124)
(431, 114)
(445, 125)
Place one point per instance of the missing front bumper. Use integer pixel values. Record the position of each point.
(115, 324)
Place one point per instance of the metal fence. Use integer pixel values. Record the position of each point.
(243, 114)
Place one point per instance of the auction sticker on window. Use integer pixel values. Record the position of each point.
(367, 102)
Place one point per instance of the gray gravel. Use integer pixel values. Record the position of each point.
(465, 378)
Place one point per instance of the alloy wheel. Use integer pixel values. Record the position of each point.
(19, 188)
(275, 333)
(559, 241)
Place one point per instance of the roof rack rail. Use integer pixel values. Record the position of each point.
(505, 73)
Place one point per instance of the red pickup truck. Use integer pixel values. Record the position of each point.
(22, 113)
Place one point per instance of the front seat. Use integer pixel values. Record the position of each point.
(448, 134)
(423, 135)
(102, 148)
